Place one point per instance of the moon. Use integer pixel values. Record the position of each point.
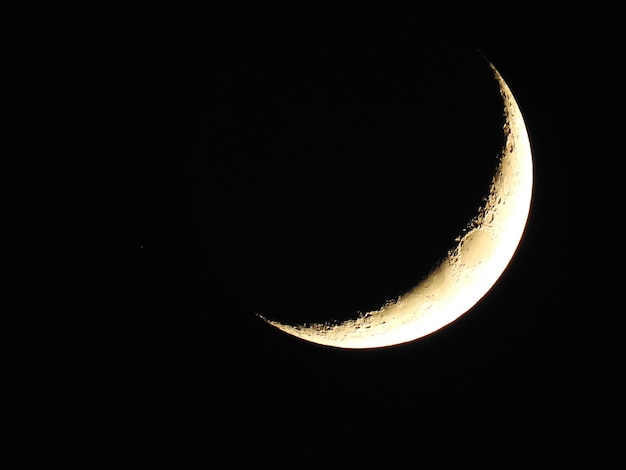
(466, 273)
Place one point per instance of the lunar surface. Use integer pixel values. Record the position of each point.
(468, 271)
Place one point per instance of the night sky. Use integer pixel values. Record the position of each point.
(167, 172)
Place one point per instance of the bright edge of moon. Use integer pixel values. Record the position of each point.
(468, 271)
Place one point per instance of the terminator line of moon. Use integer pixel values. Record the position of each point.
(468, 271)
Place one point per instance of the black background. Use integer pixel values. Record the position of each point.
(167, 171)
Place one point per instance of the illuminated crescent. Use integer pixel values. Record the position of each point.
(466, 274)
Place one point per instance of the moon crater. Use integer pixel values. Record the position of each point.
(475, 246)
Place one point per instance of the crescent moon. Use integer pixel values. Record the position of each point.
(468, 271)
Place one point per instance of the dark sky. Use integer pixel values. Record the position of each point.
(167, 171)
